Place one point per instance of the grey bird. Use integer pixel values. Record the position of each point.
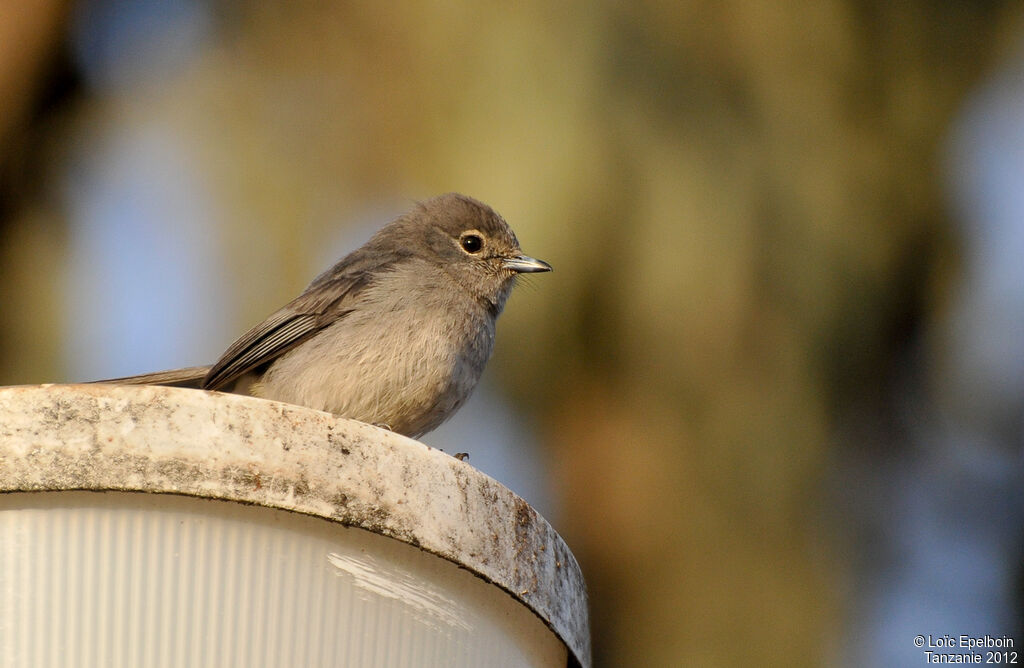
(395, 334)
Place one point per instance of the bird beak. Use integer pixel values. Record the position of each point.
(523, 264)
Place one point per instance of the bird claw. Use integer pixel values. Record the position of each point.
(461, 456)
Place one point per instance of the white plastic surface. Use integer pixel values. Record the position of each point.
(125, 579)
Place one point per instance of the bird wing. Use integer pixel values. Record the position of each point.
(327, 299)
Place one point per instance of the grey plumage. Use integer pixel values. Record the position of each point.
(396, 333)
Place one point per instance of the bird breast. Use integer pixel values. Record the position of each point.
(407, 362)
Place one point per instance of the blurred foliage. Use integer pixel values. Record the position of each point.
(740, 201)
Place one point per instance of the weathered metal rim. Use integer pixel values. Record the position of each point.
(235, 448)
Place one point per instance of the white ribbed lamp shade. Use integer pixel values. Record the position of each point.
(272, 536)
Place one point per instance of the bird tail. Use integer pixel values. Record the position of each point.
(188, 377)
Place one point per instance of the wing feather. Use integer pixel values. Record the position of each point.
(275, 336)
(327, 299)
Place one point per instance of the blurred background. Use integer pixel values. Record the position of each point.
(773, 393)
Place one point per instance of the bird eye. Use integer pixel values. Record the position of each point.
(471, 243)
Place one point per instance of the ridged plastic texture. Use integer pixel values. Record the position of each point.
(125, 579)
